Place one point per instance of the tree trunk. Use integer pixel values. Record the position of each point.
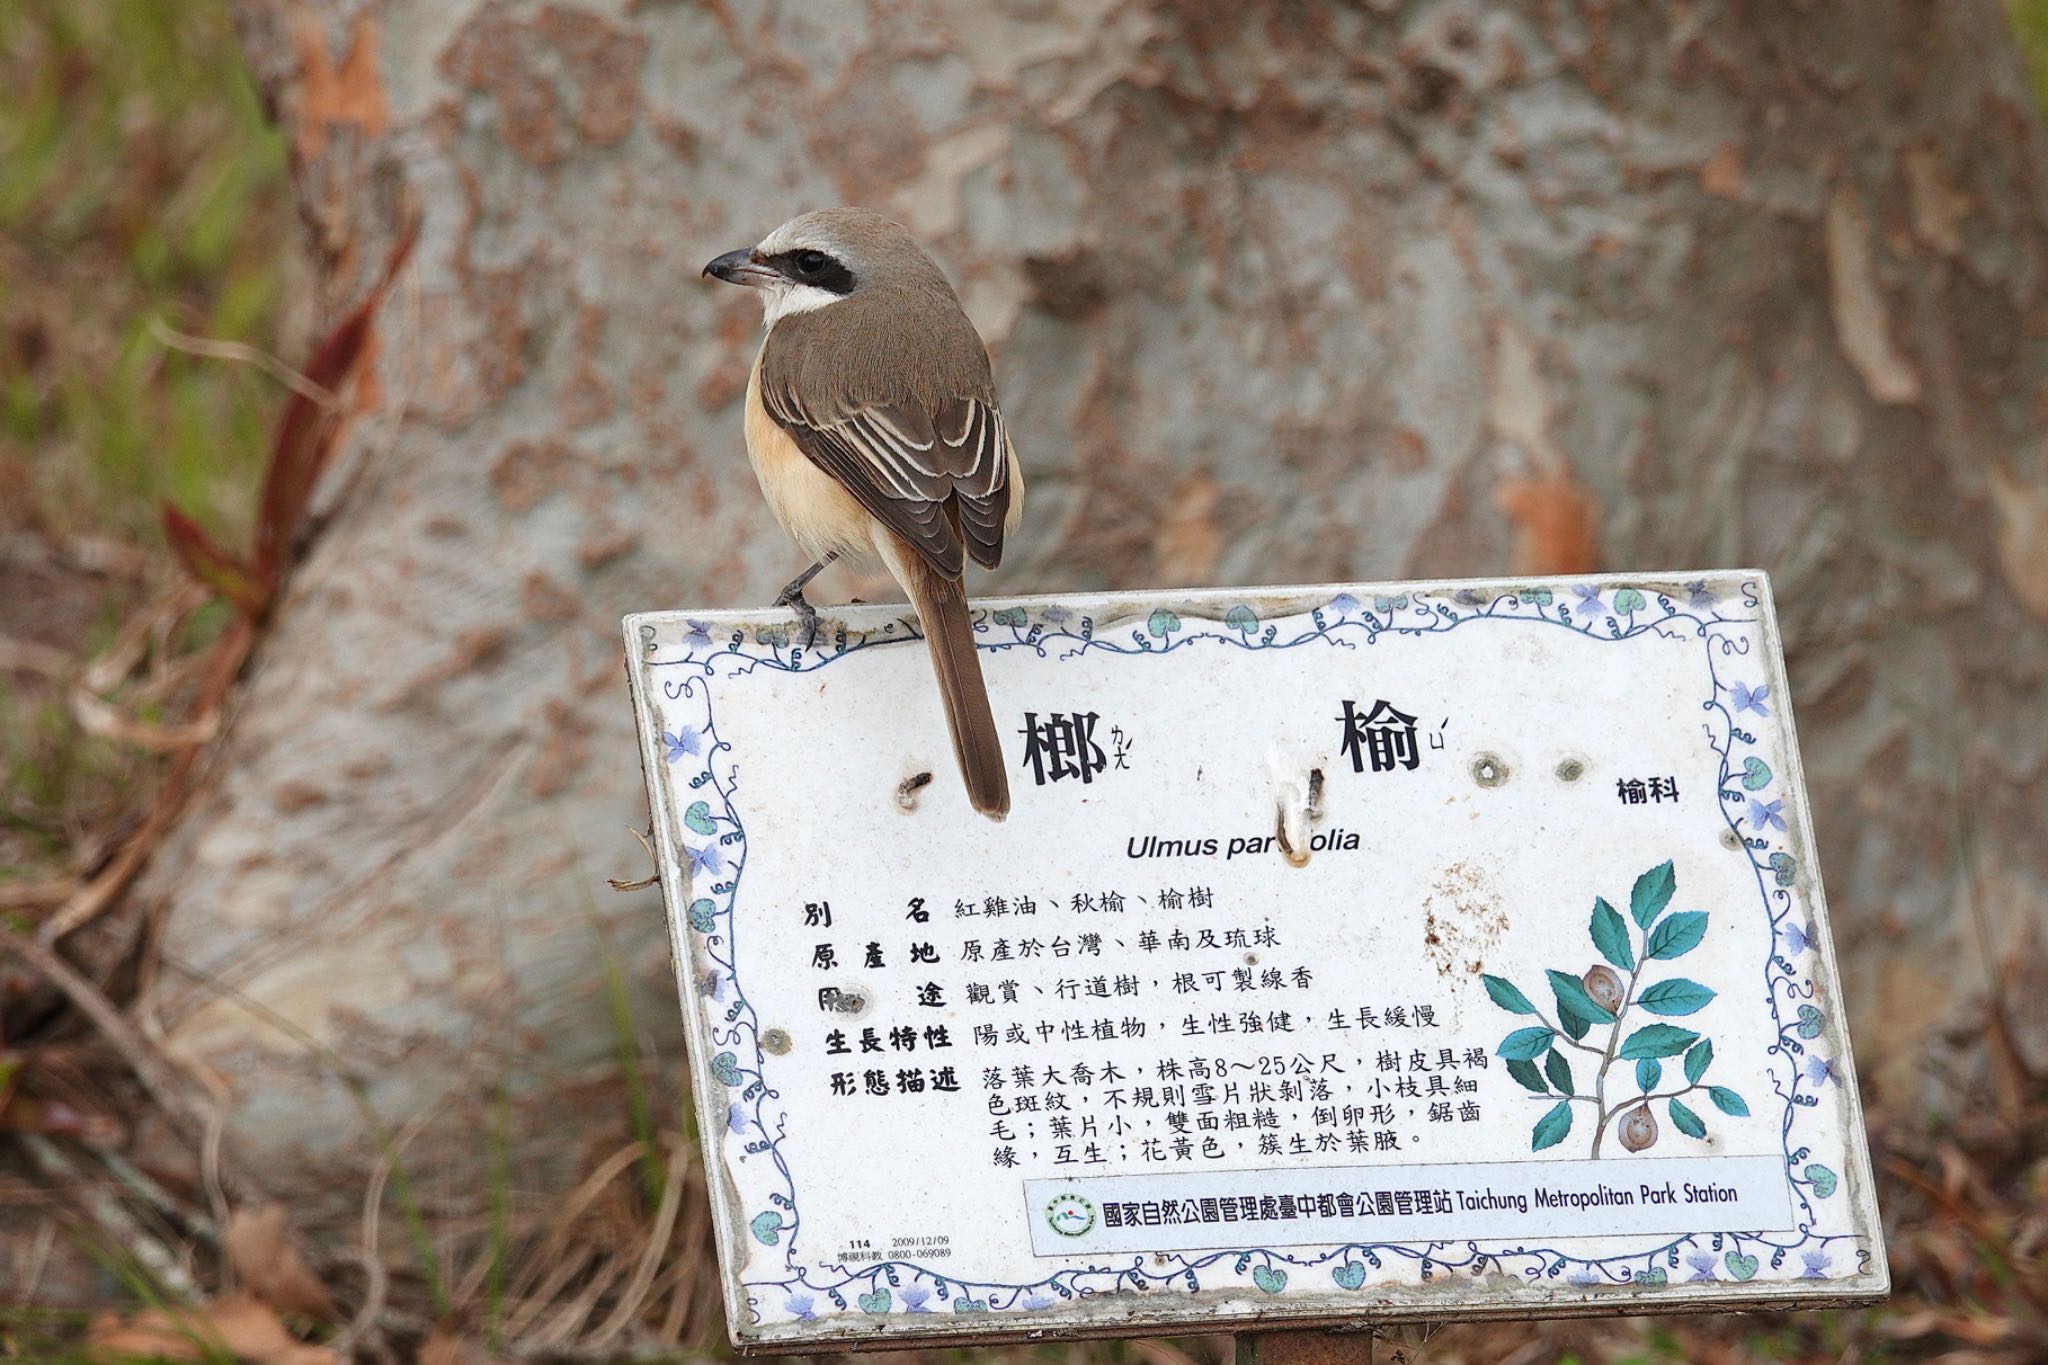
(1277, 293)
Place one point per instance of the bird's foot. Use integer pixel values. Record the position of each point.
(794, 599)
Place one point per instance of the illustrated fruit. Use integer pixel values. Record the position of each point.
(1605, 987)
(1638, 1128)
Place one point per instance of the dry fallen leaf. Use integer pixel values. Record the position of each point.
(261, 1249)
(1557, 524)
(238, 1324)
(2020, 530)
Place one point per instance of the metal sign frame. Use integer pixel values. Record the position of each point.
(698, 677)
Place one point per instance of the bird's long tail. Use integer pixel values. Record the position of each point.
(941, 604)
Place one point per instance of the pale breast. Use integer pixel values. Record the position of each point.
(819, 515)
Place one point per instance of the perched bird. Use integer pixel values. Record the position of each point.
(872, 425)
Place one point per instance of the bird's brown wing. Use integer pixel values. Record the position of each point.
(937, 476)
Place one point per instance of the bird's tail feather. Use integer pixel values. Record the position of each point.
(941, 604)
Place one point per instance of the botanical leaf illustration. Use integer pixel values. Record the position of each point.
(1678, 935)
(1727, 1101)
(1652, 892)
(1648, 1072)
(1526, 1044)
(1610, 935)
(1559, 1071)
(1696, 1061)
(1552, 1128)
(1572, 998)
(1524, 1071)
(1657, 1040)
(1675, 997)
(1685, 1121)
(1506, 996)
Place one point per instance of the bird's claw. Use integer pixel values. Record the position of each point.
(805, 612)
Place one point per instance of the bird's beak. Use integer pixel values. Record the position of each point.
(740, 267)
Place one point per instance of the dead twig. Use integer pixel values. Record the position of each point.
(155, 1074)
(248, 355)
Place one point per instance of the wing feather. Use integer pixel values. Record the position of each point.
(937, 478)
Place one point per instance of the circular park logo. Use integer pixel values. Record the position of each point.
(1070, 1215)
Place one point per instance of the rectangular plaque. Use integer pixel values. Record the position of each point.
(1386, 951)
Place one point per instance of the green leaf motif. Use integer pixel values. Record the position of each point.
(1685, 1121)
(1626, 601)
(1270, 1278)
(1526, 1044)
(1657, 1040)
(1679, 935)
(970, 1305)
(1162, 623)
(1243, 620)
(1539, 596)
(1610, 935)
(1648, 1072)
(726, 1067)
(1572, 998)
(1552, 1128)
(1011, 616)
(1728, 1102)
(1823, 1180)
(1756, 774)
(1573, 1023)
(1350, 1275)
(1675, 997)
(1784, 869)
(875, 1301)
(698, 818)
(1740, 1266)
(1697, 1061)
(1559, 1071)
(767, 1228)
(1651, 893)
(1506, 996)
(703, 916)
(1656, 1275)
(1524, 1071)
(1810, 1020)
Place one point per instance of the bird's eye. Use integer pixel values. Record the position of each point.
(811, 262)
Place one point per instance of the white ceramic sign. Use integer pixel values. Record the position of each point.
(1385, 952)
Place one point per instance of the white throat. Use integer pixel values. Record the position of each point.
(780, 300)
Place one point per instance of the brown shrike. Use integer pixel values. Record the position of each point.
(872, 425)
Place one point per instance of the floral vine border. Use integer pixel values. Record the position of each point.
(1598, 610)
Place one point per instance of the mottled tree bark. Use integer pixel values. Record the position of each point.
(1277, 293)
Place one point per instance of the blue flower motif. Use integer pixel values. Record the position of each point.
(1798, 937)
(800, 1304)
(736, 1119)
(685, 740)
(1343, 604)
(1058, 614)
(1820, 1070)
(1816, 1263)
(1749, 698)
(1702, 1263)
(1764, 815)
(1583, 1276)
(1589, 603)
(1700, 597)
(705, 859)
(914, 1297)
(699, 634)
(1034, 1302)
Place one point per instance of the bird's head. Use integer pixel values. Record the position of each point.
(818, 259)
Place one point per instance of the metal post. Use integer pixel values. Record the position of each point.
(1313, 1347)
